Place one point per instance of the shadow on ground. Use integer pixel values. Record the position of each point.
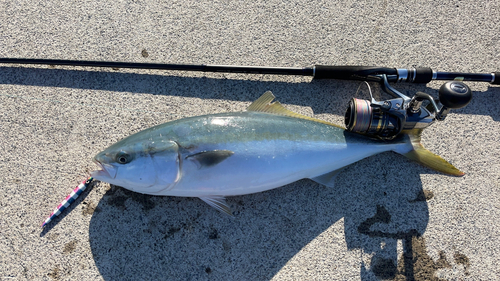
(134, 236)
(380, 199)
(323, 96)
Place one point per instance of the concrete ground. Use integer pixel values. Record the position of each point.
(386, 217)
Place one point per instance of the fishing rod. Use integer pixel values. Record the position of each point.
(381, 119)
(363, 73)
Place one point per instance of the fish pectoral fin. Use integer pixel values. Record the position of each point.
(327, 179)
(218, 202)
(206, 159)
(265, 104)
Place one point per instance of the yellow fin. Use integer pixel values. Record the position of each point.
(265, 104)
(423, 156)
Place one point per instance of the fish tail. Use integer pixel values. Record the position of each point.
(426, 158)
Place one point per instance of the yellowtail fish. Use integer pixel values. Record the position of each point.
(227, 154)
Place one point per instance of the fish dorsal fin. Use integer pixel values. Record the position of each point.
(265, 104)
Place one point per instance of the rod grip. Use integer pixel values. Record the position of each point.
(496, 81)
(350, 72)
(423, 75)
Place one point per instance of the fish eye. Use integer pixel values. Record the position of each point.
(122, 157)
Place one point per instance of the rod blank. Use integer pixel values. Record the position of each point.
(304, 71)
(364, 73)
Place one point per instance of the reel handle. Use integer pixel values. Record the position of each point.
(453, 95)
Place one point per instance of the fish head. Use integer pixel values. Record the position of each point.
(146, 166)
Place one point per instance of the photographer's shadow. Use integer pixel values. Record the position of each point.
(136, 237)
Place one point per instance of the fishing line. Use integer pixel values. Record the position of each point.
(44, 169)
(89, 105)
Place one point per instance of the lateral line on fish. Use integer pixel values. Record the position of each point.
(68, 200)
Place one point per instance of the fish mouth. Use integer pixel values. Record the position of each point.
(105, 171)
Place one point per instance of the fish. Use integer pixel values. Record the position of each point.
(237, 153)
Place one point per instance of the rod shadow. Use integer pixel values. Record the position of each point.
(324, 96)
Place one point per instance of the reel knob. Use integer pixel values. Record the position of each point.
(453, 94)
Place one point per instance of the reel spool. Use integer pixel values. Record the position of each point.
(363, 117)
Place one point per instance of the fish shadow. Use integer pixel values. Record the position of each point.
(377, 200)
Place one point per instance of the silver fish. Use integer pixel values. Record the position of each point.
(265, 147)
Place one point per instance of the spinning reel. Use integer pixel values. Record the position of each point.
(386, 119)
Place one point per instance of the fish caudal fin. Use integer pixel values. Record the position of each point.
(427, 158)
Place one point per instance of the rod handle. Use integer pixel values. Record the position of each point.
(422, 75)
(350, 72)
